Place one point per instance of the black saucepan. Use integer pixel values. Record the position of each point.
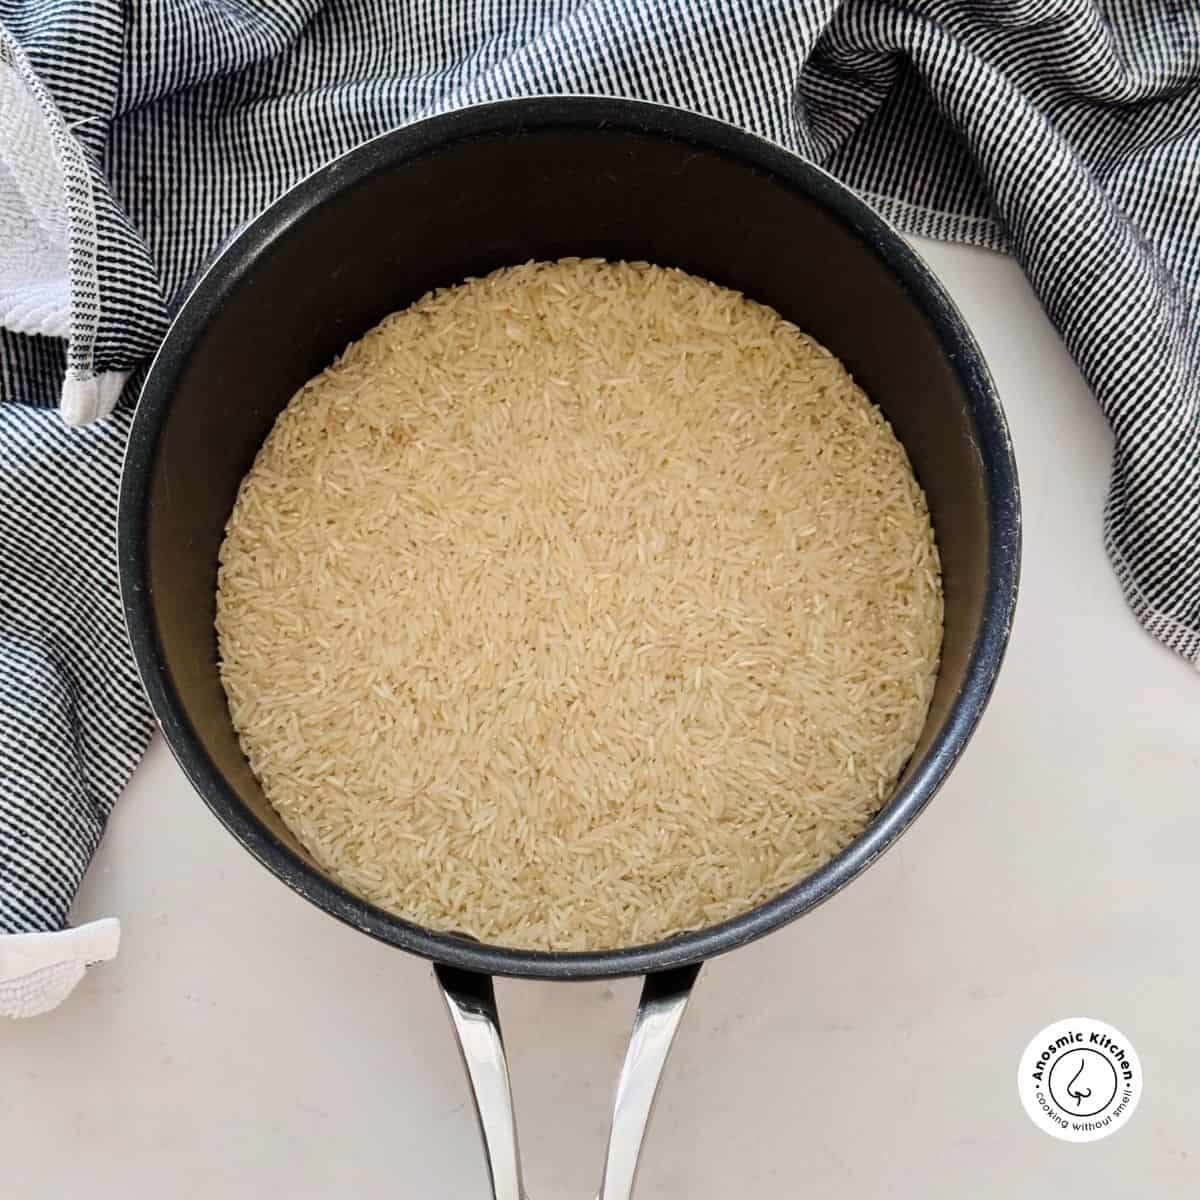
(459, 195)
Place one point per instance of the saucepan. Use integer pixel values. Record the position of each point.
(458, 195)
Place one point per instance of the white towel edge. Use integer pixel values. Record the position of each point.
(38, 971)
(88, 397)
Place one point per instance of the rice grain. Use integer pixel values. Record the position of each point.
(579, 605)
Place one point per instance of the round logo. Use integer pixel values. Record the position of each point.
(1079, 1080)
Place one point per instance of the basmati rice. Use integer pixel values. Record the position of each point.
(577, 606)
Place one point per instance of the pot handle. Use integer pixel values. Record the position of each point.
(471, 1000)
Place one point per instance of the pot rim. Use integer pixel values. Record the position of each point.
(510, 117)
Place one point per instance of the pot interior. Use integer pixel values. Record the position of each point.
(410, 212)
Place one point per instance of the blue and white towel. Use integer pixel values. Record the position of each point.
(134, 135)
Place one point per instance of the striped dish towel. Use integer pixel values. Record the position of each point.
(135, 135)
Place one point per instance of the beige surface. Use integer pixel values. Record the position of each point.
(243, 1044)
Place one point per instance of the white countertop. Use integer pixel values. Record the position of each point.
(243, 1044)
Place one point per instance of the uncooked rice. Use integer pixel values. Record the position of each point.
(577, 606)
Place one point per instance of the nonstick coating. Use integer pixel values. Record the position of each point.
(498, 184)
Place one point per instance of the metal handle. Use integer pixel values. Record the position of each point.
(661, 1008)
(471, 1000)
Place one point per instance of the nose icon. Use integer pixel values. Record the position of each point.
(1078, 1094)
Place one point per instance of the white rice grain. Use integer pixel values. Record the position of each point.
(577, 606)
